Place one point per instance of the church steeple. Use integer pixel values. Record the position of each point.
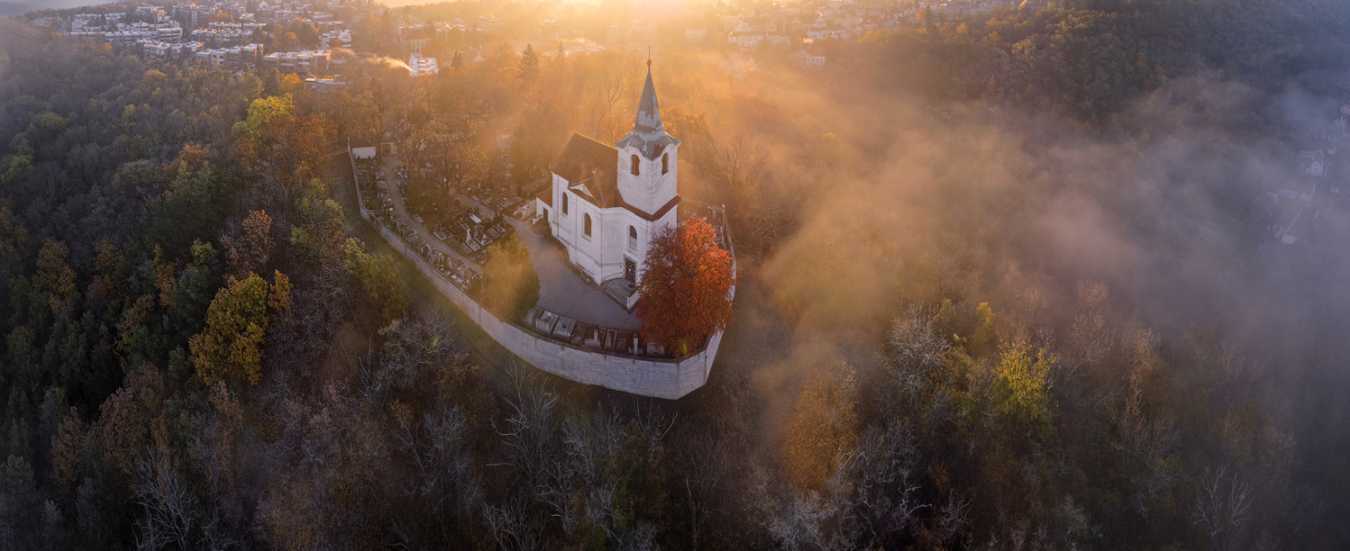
(648, 137)
(649, 109)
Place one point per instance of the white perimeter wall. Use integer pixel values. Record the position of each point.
(668, 379)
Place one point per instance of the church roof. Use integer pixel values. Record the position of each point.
(592, 164)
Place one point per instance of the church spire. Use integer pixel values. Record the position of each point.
(649, 109)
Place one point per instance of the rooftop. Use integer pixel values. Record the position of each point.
(586, 161)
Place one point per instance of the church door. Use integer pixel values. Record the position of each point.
(630, 271)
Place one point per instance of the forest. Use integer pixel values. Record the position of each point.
(1003, 282)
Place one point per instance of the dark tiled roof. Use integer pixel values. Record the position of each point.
(594, 164)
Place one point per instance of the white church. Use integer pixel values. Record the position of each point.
(606, 203)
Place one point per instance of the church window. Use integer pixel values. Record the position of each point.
(586, 226)
(634, 162)
(632, 238)
(564, 195)
(665, 163)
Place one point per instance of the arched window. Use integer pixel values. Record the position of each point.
(632, 238)
(665, 163)
(586, 226)
(634, 162)
(564, 203)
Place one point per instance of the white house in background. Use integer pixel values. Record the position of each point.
(808, 59)
(606, 203)
(420, 66)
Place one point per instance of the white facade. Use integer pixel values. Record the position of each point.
(607, 203)
(619, 238)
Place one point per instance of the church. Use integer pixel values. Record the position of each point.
(607, 202)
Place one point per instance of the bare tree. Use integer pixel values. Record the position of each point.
(1222, 508)
(608, 92)
(529, 429)
(511, 526)
(168, 506)
(875, 482)
(443, 477)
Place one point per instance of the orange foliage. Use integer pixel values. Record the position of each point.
(823, 427)
(685, 287)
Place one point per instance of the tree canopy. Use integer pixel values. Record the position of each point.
(685, 288)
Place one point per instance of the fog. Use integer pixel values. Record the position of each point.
(58, 4)
(1166, 220)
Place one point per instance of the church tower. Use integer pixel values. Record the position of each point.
(648, 157)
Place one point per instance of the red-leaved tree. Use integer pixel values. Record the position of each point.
(685, 287)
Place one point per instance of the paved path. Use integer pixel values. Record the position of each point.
(563, 291)
(390, 187)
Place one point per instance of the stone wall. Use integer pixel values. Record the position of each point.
(669, 379)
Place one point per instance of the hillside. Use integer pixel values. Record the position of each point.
(1060, 278)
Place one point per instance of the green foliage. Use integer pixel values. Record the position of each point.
(55, 277)
(378, 276)
(318, 236)
(266, 119)
(189, 209)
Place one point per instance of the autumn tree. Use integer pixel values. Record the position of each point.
(1023, 384)
(823, 427)
(258, 133)
(230, 347)
(251, 250)
(123, 429)
(275, 137)
(511, 287)
(686, 286)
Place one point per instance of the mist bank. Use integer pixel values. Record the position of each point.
(1139, 255)
(20, 7)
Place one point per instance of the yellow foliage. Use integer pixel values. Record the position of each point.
(823, 428)
(280, 301)
(1024, 380)
(230, 347)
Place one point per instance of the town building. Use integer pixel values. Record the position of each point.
(607, 203)
(233, 57)
(158, 49)
(301, 61)
(422, 66)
